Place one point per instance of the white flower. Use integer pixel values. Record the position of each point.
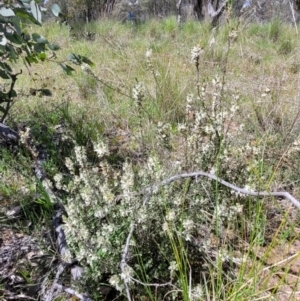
(127, 181)
(165, 227)
(171, 216)
(58, 178)
(80, 155)
(127, 274)
(70, 165)
(195, 54)
(181, 127)
(173, 268)
(197, 293)
(115, 281)
(101, 149)
(148, 53)
(138, 92)
(188, 225)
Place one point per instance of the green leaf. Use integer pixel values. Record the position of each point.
(31, 59)
(3, 49)
(55, 10)
(74, 58)
(42, 56)
(53, 47)
(39, 48)
(13, 93)
(22, 13)
(5, 66)
(39, 39)
(26, 37)
(15, 38)
(35, 36)
(3, 20)
(78, 59)
(6, 12)
(13, 54)
(87, 61)
(66, 68)
(2, 110)
(3, 97)
(35, 10)
(3, 74)
(17, 24)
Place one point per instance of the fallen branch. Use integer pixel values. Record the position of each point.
(197, 174)
(9, 134)
(60, 270)
(39, 156)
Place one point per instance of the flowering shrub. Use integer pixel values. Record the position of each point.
(176, 224)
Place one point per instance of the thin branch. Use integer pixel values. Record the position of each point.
(72, 292)
(10, 94)
(197, 174)
(153, 284)
(124, 258)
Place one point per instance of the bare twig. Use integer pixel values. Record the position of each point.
(10, 95)
(196, 174)
(124, 258)
(153, 284)
(72, 292)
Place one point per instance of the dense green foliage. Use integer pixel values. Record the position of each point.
(18, 42)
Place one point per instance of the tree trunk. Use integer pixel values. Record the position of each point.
(209, 10)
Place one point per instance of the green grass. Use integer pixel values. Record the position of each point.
(258, 71)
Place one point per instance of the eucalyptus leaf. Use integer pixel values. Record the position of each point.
(6, 12)
(5, 66)
(39, 48)
(15, 38)
(13, 93)
(17, 24)
(3, 74)
(87, 61)
(35, 10)
(12, 51)
(23, 13)
(74, 58)
(53, 47)
(66, 68)
(39, 39)
(55, 10)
